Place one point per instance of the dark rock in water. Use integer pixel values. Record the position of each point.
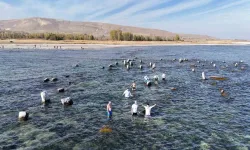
(54, 79)
(116, 63)
(46, 80)
(12, 146)
(23, 116)
(161, 59)
(148, 83)
(181, 60)
(60, 90)
(66, 76)
(103, 67)
(77, 65)
(67, 101)
(110, 66)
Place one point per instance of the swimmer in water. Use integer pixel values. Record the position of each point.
(133, 86)
(127, 93)
(109, 110)
(134, 109)
(148, 110)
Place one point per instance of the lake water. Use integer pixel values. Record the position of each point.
(194, 116)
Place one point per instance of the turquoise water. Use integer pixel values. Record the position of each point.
(195, 116)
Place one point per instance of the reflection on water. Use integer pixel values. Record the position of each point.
(193, 116)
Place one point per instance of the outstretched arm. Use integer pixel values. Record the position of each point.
(153, 106)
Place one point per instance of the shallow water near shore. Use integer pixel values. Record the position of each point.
(194, 116)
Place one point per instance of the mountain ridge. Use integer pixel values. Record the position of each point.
(98, 29)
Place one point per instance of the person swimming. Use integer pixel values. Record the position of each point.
(127, 93)
(109, 110)
(147, 81)
(148, 110)
(134, 109)
(133, 86)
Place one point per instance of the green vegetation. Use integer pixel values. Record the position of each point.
(118, 35)
(177, 38)
(115, 35)
(45, 36)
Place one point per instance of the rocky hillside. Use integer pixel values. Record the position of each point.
(100, 30)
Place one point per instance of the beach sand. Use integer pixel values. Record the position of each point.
(80, 45)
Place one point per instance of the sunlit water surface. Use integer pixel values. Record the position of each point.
(195, 116)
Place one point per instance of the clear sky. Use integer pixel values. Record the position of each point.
(218, 18)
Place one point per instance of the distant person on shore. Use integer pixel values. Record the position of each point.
(133, 86)
(134, 109)
(127, 93)
(148, 110)
(109, 110)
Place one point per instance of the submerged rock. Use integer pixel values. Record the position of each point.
(204, 146)
(105, 129)
(218, 78)
(173, 88)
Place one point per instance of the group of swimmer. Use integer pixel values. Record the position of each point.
(134, 111)
(134, 107)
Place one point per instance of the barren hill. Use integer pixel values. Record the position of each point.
(101, 30)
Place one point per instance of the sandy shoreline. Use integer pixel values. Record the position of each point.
(72, 45)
